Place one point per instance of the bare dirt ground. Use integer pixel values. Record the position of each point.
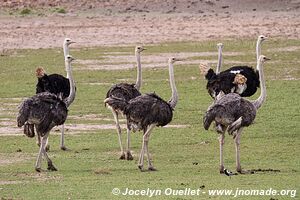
(123, 22)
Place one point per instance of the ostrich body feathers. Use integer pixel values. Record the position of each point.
(144, 110)
(54, 83)
(229, 108)
(45, 110)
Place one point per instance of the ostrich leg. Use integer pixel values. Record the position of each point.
(144, 146)
(150, 166)
(128, 153)
(62, 138)
(221, 141)
(115, 114)
(43, 143)
(237, 149)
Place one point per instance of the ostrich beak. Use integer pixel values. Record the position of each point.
(267, 58)
(72, 42)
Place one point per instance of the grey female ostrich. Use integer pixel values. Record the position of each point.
(147, 111)
(126, 91)
(44, 111)
(242, 80)
(55, 84)
(233, 113)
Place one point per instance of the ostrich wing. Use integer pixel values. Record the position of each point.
(149, 109)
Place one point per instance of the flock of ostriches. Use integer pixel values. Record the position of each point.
(229, 110)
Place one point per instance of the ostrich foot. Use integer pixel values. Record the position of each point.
(64, 148)
(221, 169)
(129, 156)
(151, 168)
(141, 167)
(38, 169)
(122, 157)
(51, 167)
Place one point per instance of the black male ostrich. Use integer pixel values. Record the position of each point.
(55, 84)
(242, 80)
(126, 91)
(233, 113)
(147, 111)
(44, 111)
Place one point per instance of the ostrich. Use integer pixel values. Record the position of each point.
(44, 111)
(227, 80)
(233, 113)
(147, 111)
(126, 91)
(56, 84)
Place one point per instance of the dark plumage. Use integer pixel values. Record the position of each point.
(144, 110)
(252, 79)
(45, 110)
(232, 112)
(224, 81)
(53, 83)
(125, 92)
(229, 108)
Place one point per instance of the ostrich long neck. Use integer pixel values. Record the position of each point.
(258, 50)
(66, 49)
(139, 71)
(174, 98)
(71, 96)
(219, 60)
(66, 52)
(263, 92)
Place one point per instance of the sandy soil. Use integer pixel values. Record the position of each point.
(120, 22)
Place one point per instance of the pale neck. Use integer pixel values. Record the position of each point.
(263, 92)
(219, 60)
(258, 50)
(71, 96)
(174, 98)
(139, 71)
(66, 52)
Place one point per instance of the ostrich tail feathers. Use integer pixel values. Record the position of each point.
(206, 71)
(203, 69)
(207, 119)
(40, 72)
(210, 74)
(116, 103)
(29, 130)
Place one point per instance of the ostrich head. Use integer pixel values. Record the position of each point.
(69, 58)
(173, 60)
(139, 49)
(68, 41)
(220, 45)
(263, 58)
(262, 38)
(40, 72)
